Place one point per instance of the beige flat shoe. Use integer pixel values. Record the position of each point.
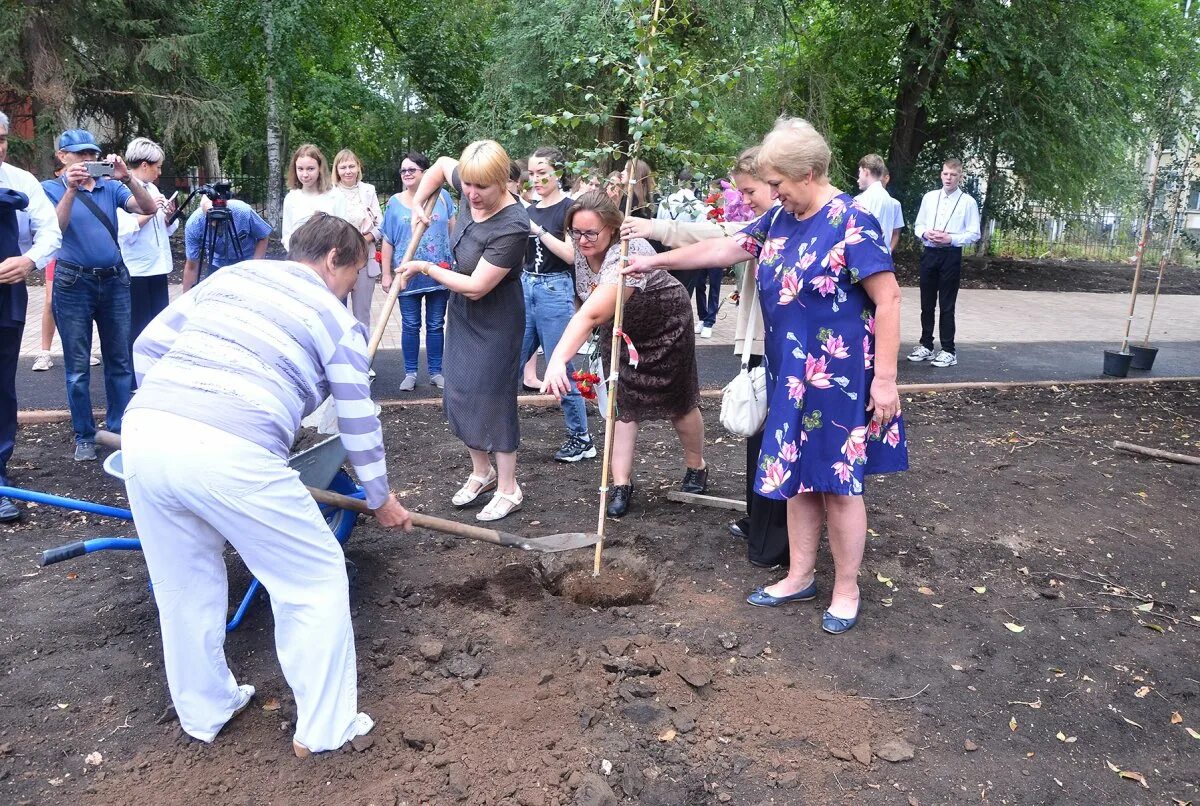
(501, 506)
(466, 495)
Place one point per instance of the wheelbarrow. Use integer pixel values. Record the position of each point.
(320, 468)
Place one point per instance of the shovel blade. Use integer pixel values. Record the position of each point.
(565, 541)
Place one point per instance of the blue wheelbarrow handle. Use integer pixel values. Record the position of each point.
(51, 556)
(66, 503)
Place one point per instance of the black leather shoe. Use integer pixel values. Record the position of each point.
(618, 500)
(740, 528)
(695, 481)
(9, 511)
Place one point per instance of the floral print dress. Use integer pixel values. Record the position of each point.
(820, 349)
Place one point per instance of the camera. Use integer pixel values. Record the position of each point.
(99, 169)
(217, 191)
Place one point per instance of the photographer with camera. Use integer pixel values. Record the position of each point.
(220, 233)
(91, 283)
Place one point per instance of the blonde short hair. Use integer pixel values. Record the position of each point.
(309, 150)
(794, 148)
(345, 155)
(484, 163)
(747, 163)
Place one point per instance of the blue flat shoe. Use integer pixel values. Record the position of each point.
(836, 626)
(760, 597)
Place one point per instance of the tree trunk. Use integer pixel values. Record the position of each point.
(274, 129)
(212, 160)
(987, 209)
(923, 63)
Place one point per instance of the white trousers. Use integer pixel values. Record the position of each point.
(191, 488)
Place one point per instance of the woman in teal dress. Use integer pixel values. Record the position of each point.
(832, 311)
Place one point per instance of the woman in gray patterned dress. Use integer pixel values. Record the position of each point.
(661, 383)
(485, 320)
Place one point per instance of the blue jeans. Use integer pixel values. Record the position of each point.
(79, 298)
(410, 329)
(708, 295)
(549, 306)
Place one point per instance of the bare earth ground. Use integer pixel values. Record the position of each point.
(487, 688)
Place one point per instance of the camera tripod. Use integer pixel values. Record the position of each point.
(218, 224)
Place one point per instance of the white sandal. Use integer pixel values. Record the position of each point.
(466, 495)
(501, 506)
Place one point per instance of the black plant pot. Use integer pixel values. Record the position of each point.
(1116, 363)
(1143, 357)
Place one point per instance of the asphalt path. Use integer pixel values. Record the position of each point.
(1026, 361)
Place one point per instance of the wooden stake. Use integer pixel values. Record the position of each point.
(1170, 243)
(614, 364)
(1155, 453)
(1141, 249)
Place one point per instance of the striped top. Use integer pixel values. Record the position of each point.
(253, 350)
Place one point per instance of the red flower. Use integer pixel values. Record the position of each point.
(586, 383)
(443, 264)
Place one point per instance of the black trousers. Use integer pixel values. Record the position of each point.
(941, 270)
(148, 296)
(767, 537)
(10, 353)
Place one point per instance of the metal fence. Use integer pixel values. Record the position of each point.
(253, 189)
(1105, 235)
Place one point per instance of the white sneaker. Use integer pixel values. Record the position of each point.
(43, 362)
(699, 326)
(920, 353)
(95, 359)
(944, 359)
(706, 332)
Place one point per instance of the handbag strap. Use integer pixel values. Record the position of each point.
(99, 214)
(748, 338)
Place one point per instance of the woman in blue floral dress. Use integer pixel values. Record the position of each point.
(832, 311)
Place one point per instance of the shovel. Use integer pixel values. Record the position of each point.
(564, 541)
(548, 544)
(324, 417)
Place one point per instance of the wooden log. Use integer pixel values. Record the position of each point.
(706, 500)
(1155, 453)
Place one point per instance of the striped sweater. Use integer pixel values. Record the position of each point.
(253, 350)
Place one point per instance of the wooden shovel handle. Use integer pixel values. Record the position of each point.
(418, 519)
(418, 229)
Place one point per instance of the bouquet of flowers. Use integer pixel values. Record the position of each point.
(728, 204)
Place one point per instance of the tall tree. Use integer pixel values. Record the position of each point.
(131, 65)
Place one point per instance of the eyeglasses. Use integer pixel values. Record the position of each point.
(589, 235)
(404, 171)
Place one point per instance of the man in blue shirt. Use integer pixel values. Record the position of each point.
(91, 283)
(248, 228)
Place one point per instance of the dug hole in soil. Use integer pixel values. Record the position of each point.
(1028, 634)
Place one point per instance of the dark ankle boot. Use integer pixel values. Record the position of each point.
(695, 481)
(618, 499)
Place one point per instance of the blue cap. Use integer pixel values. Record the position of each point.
(75, 140)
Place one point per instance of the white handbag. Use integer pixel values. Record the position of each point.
(744, 399)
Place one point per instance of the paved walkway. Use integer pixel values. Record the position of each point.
(1002, 335)
(984, 317)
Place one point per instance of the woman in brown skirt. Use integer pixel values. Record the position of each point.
(660, 383)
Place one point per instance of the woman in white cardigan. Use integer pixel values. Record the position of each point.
(310, 190)
(362, 211)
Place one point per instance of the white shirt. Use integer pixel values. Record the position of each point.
(956, 214)
(885, 209)
(682, 205)
(146, 248)
(40, 235)
(299, 206)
